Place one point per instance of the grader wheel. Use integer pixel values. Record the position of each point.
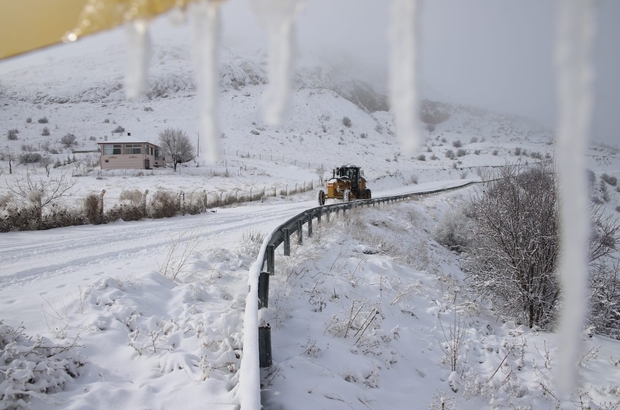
(321, 197)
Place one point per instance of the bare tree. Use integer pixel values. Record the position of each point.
(515, 249)
(41, 193)
(320, 172)
(7, 155)
(46, 162)
(177, 145)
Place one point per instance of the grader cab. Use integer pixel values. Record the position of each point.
(347, 183)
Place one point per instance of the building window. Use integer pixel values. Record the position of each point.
(133, 149)
(110, 149)
(151, 151)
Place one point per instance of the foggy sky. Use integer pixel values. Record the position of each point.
(492, 53)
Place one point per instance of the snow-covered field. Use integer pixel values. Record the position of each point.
(363, 315)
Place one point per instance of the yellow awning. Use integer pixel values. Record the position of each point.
(27, 25)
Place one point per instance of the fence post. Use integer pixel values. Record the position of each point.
(270, 258)
(143, 202)
(287, 241)
(264, 346)
(263, 290)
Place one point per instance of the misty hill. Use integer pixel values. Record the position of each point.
(84, 96)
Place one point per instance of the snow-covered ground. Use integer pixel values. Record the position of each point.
(363, 314)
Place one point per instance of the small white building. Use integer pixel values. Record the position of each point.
(130, 153)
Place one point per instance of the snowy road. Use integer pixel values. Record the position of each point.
(44, 261)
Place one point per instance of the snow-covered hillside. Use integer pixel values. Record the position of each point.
(151, 312)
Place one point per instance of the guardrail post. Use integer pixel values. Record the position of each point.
(287, 241)
(300, 226)
(318, 216)
(264, 346)
(327, 214)
(263, 290)
(270, 251)
(309, 225)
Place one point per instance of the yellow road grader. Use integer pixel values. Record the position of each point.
(347, 183)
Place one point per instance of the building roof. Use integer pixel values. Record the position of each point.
(128, 139)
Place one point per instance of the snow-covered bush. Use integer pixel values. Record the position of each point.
(346, 121)
(12, 135)
(516, 245)
(33, 366)
(164, 204)
(93, 208)
(454, 231)
(195, 203)
(68, 140)
(133, 196)
(610, 179)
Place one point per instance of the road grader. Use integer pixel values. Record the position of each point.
(347, 183)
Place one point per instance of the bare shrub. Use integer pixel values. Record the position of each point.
(40, 194)
(611, 180)
(536, 155)
(118, 129)
(28, 120)
(450, 154)
(181, 249)
(516, 244)
(495, 152)
(12, 135)
(461, 152)
(29, 158)
(93, 208)
(164, 204)
(346, 121)
(454, 231)
(43, 120)
(195, 203)
(474, 140)
(457, 144)
(68, 140)
(59, 216)
(421, 157)
(45, 132)
(518, 151)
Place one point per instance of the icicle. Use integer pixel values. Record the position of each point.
(404, 93)
(277, 17)
(136, 80)
(575, 74)
(206, 27)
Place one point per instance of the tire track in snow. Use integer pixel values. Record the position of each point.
(28, 256)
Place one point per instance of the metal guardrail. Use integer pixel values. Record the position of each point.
(282, 236)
